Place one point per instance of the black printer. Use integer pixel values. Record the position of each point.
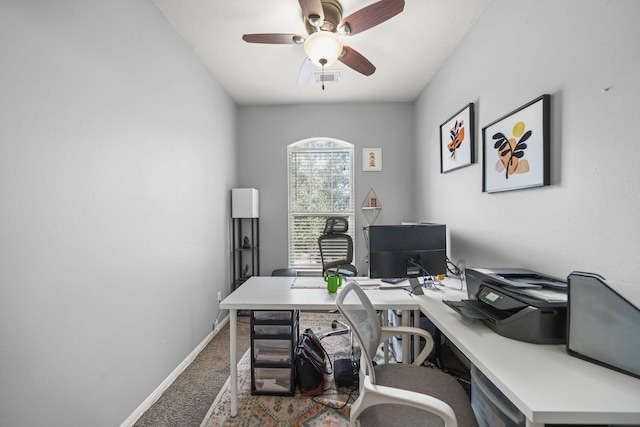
(516, 303)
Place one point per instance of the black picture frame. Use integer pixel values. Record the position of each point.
(457, 140)
(516, 148)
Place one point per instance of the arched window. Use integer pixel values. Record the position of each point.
(321, 184)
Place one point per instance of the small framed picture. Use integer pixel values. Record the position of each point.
(516, 148)
(372, 159)
(457, 141)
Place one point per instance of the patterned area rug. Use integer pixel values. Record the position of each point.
(329, 410)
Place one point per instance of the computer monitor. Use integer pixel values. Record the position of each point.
(407, 250)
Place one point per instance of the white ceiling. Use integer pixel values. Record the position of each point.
(407, 50)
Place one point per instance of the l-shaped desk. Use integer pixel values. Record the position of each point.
(546, 384)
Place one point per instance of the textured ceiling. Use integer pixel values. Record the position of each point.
(407, 50)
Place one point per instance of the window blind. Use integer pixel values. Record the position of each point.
(320, 185)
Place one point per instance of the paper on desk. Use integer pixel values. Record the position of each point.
(367, 283)
(314, 282)
(548, 295)
(400, 285)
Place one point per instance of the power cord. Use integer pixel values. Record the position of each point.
(454, 270)
(335, 332)
(329, 404)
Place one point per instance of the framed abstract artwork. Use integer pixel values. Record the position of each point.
(516, 148)
(372, 159)
(457, 140)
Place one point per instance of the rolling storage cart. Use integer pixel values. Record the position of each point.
(492, 408)
(274, 337)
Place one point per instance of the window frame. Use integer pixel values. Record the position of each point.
(316, 218)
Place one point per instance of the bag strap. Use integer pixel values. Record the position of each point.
(315, 340)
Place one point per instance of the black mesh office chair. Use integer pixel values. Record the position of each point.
(336, 248)
(290, 272)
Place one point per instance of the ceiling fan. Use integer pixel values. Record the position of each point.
(324, 24)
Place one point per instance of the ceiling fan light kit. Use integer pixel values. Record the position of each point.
(324, 24)
(323, 48)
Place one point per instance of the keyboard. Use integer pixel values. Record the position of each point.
(394, 280)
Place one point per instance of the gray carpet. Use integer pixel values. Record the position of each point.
(186, 402)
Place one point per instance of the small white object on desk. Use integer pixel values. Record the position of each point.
(366, 283)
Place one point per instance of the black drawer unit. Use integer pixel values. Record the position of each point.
(274, 337)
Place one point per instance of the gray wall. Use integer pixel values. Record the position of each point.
(263, 137)
(116, 159)
(117, 155)
(587, 56)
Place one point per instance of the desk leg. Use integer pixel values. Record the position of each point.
(437, 346)
(416, 338)
(233, 352)
(385, 344)
(406, 348)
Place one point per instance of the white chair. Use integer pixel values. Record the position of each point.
(399, 394)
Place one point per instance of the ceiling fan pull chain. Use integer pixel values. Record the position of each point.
(322, 61)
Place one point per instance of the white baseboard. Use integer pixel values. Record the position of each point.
(153, 398)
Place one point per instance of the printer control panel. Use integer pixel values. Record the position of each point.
(498, 299)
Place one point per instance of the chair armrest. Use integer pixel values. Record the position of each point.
(384, 394)
(390, 331)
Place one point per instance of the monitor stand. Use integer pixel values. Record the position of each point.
(416, 287)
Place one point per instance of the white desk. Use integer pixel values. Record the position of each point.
(543, 381)
(275, 293)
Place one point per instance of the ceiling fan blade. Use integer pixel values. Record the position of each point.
(371, 15)
(273, 38)
(353, 59)
(312, 11)
(306, 72)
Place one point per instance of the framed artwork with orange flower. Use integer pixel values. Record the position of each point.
(457, 142)
(516, 148)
